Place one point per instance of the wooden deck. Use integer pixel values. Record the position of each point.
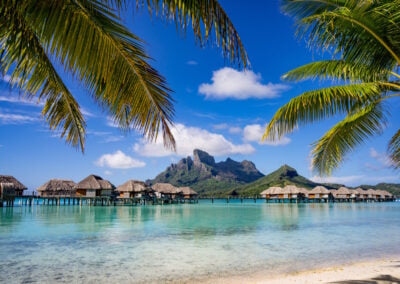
(88, 201)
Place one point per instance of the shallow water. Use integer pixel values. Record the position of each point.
(183, 242)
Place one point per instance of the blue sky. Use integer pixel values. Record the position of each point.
(218, 108)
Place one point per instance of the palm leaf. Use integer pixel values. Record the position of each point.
(88, 39)
(338, 70)
(329, 151)
(320, 104)
(204, 16)
(394, 149)
(21, 50)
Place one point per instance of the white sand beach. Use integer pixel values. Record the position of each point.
(378, 271)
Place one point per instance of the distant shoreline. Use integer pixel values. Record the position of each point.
(383, 269)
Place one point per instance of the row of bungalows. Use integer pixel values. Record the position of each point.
(291, 192)
(95, 186)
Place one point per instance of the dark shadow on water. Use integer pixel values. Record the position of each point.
(382, 279)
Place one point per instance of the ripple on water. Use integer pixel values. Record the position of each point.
(166, 243)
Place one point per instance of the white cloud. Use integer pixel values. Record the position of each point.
(119, 160)
(192, 62)
(220, 126)
(190, 138)
(107, 173)
(12, 118)
(355, 180)
(111, 122)
(381, 158)
(235, 130)
(254, 133)
(21, 100)
(230, 83)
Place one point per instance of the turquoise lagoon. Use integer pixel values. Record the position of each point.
(48, 244)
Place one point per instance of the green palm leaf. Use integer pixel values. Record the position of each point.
(203, 16)
(35, 73)
(316, 105)
(339, 70)
(394, 149)
(329, 151)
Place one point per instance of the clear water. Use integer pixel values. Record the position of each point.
(75, 244)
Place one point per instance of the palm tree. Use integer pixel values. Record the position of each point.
(364, 38)
(88, 40)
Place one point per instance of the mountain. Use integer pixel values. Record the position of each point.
(393, 188)
(283, 176)
(206, 176)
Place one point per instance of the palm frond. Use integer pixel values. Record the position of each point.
(319, 104)
(394, 149)
(329, 151)
(362, 32)
(337, 70)
(87, 38)
(22, 52)
(204, 16)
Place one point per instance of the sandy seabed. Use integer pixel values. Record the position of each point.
(377, 271)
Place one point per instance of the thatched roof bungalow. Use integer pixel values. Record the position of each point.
(188, 193)
(362, 194)
(167, 190)
(272, 192)
(17, 185)
(383, 194)
(93, 186)
(292, 191)
(57, 187)
(133, 188)
(319, 192)
(372, 194)
(341, 193)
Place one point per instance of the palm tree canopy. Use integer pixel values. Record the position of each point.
(88, 39)
(364, 37)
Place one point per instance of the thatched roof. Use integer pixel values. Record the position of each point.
(188, 191)
(292, 189)
(10, 179)
(273, 190)
(166, 188)
(132, 186)
(371, 192)
(342, 190)
(94, 182)
(57, 185)
(361, 191)
(319, 190)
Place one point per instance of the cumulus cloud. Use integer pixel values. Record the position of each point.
(254, 132)
(119, 160)
(189, 138)
(355, 180)
(230, 83)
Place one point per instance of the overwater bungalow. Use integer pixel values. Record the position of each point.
(372, 194)
(133, 188)
(343, 193)
(57, 188)
(292, 192)
(94, 186)
(16, 184)
(274, 192)
(188, 193)
(383, 195)
(362, 194)
(168, 190)
(319, 192)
